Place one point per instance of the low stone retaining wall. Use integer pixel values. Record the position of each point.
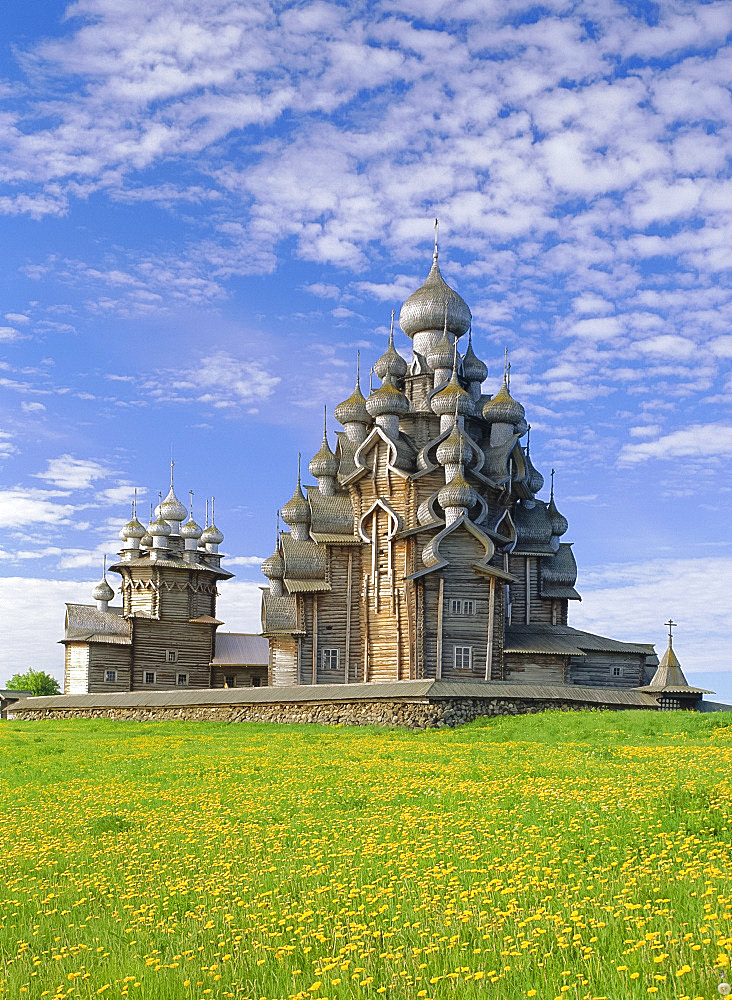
(405, 714)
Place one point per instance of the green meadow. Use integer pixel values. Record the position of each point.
(579, 855)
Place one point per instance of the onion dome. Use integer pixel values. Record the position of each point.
(133, 529)
(533, 526)
(297, 509)
(452, 398)
(535, 480)
(455, 449)
(324, 462)
(387, 399)
(442, 354)
(102, 591)
(274, 566)
(457, 493)
(190, 529)
(503, 408)
(434, 304)
(559, 522)
(391, 364)
(353, 410)
(171, 508)
(212, 536)
(159, 528)
(473, 368)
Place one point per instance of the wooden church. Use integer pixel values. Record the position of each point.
(164, 635)
(425, 549)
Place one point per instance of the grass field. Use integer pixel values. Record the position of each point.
(555, 856)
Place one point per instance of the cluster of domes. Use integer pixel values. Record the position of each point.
(435, 317)
(166, 523)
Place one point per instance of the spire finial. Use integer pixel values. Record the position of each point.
(391, 329)
(299, 457)
(213, 519)
(277, 534)
(435, 252)
(325, 424)
(551, 494)
(371, 379)
(172, 467)
(104, 567)
(206, 524)
(134, 503)
(151, 513)
(190, 502)
(671, 624)
(528, 439)
(358, 370)
(506, 366)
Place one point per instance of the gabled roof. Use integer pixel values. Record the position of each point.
(241, 649)
(561, 639)
(85, 623)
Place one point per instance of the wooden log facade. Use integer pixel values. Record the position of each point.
(424, 551)
(164, 634)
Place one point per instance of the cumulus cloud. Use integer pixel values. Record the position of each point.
(69, 473)
(632, 600)
(220, 380)
(699, 441)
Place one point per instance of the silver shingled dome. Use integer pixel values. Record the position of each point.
(425, 309)
(102, 591)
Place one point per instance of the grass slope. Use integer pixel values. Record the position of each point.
(571, 855)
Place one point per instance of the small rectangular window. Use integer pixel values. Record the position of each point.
(458, 607)
(181, 680)
(110, 676)
(463, 657)
(230, 681)
(171, 655)
(617, 671)
(256, 682)
(149, 677)
(330, 659)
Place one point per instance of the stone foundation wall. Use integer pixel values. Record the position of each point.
(409, 715)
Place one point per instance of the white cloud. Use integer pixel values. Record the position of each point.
(69, 473)
(631, 601)
(9, 334)
(701, 441)
(219, 380)
(27, 507)
(32, 407)
(17, 318)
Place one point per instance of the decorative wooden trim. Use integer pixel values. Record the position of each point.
(366, 637)
(491, 620)
(315, 638)
(440, 602)
(349, 601)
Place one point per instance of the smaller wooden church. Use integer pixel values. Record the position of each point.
(164, 634)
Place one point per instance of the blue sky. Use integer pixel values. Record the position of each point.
(208, 207)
